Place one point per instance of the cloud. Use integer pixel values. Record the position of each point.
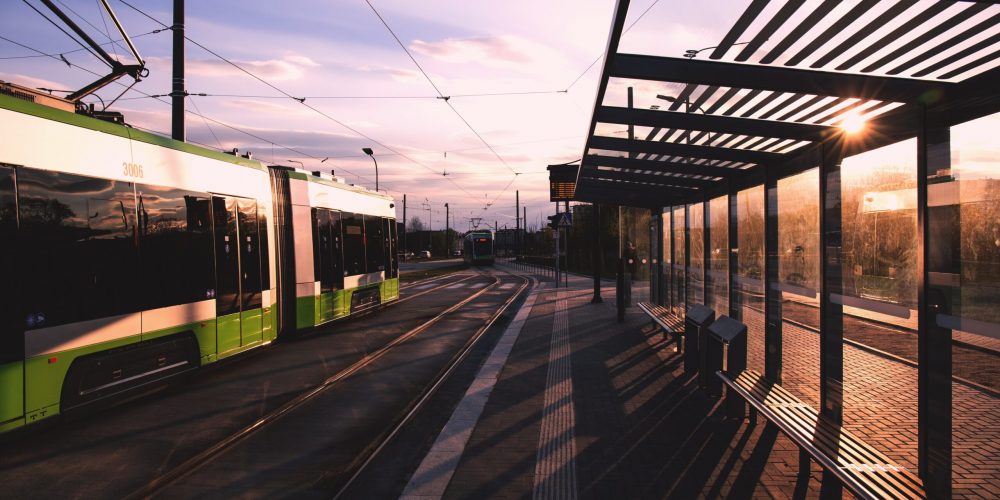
(485, 50)
(28, 81)
(291, 67)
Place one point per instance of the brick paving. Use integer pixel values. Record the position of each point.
(644, 430)
(880, 405)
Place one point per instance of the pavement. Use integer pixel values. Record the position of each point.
(571, 404)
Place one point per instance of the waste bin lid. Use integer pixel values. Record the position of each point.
(700, 314)
(726, 329)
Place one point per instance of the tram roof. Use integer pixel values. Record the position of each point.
(778, 88)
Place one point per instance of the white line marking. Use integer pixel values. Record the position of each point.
(437, 468)
(555, 464)
(507, 286)
(456, 286)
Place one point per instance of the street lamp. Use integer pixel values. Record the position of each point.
(369, 152)
(687, 110)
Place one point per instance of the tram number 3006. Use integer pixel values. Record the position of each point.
(132, 169)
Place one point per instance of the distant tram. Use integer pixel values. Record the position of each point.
(477, 247)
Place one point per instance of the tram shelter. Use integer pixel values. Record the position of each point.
(827, 174)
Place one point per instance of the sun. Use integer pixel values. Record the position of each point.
(853, 123)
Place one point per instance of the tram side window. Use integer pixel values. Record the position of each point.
(337, 250)
(11, 339)
(389, 229)
(77, 247)
(265, 255)
(175, 228)
(322, 249)
(354, 244)
(250, 285)
(374, 243)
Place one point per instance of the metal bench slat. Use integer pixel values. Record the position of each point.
(863, 469)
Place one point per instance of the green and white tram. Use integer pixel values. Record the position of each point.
(128, 258)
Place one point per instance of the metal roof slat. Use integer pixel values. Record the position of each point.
(768, 99)
(781, 105)
(972, 65)
(834, 29)
(962, 54)
(726, 97)
(821, 11)
(949, 23)
(675, 149)
(822, 109)
(774, 78)
(802, 107)
(705, 94)
(712, 123)
(765, 33)
(682, 96)
(747, 18)
(904, 28)
(851, 107)
(864, 32)
(742, 102)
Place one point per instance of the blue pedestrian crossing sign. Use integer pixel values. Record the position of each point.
(564, 219)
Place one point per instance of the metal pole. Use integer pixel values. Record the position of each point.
(178, 93)
(405, 248)
(447, 226)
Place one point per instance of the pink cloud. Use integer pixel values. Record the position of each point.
(505, 49)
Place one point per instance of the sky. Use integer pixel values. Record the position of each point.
(521, 77)
(341, 49)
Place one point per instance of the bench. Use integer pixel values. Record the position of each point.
(866, 472)
(665, 319)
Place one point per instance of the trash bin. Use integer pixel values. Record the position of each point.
(730, 335)
(695, 322)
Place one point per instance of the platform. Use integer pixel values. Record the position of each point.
(572, 404)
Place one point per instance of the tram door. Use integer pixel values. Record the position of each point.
(238, 275)
(11, 319)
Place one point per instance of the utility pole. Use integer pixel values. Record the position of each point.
(178, 93)
(525, 219)
(405, 248)
(517, 217)
(447, 227)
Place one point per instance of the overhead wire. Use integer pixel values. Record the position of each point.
(577, 79)
(60, 28)
(436, 89)
(301, 100)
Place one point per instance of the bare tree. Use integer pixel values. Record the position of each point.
(416, 225)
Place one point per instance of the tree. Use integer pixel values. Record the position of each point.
(415, 226)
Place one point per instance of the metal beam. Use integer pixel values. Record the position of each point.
(712, 123)
(691, 150)
(636, 176)
(776, 79)
(614, 37)
(635, 195)
(671, 167)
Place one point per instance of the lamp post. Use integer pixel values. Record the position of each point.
(687, 110)
(369, 152)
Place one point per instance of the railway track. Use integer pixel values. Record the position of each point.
(206, 457)
(381, 442)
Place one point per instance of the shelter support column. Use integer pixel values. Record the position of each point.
(831, 312)
(735, 298)
(938, 278)
(772, 292)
